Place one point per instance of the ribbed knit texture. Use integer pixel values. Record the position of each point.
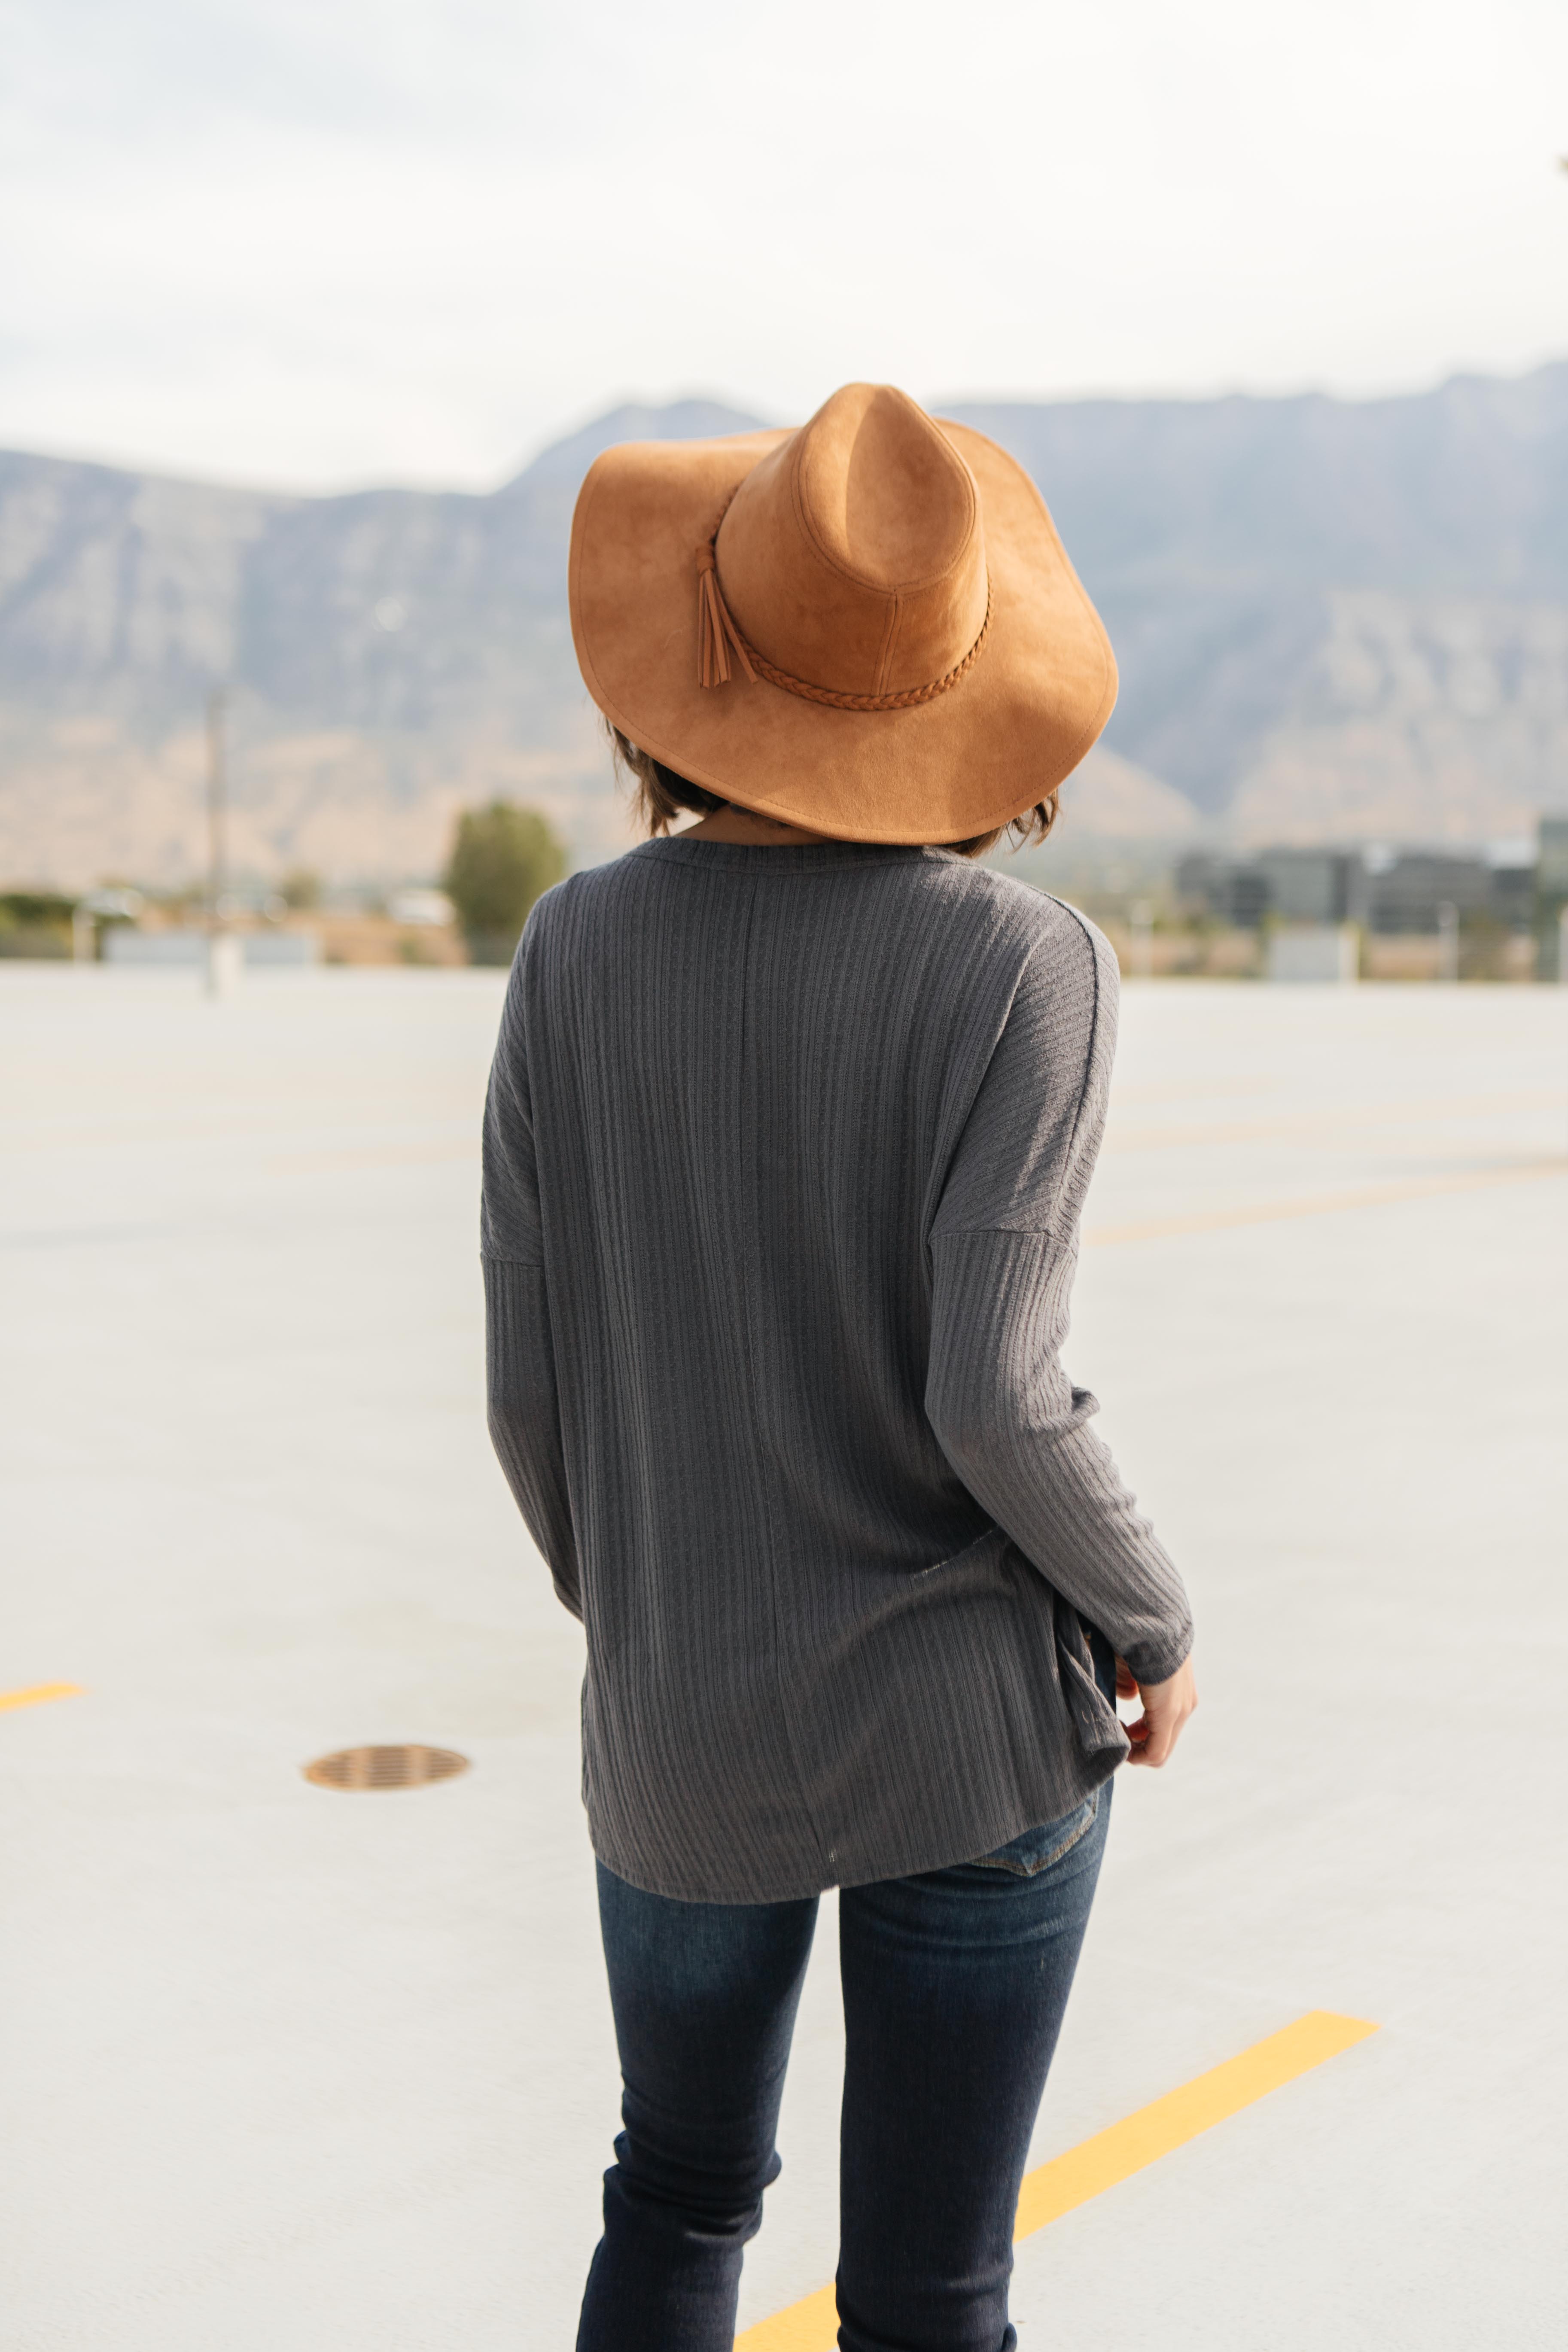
(785, 1153)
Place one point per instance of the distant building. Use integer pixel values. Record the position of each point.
(1197, 877)
(1300, 885)
(1391, 893)
(1407, 893)
(1228, 890)
(1552, 899)
(1513, 892)
(1309, 886)
(1552, 868)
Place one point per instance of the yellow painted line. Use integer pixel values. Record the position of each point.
(37, 1693)
(1323, 1204)
(810, 2325)
(1098, 2163)
(1113, 2156)
(1328, 1122)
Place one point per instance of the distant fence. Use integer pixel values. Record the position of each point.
(125, 946)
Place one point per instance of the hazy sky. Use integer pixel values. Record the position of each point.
(321, 242)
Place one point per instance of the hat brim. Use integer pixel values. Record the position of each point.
(966, 761)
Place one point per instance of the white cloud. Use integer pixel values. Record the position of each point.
(409, 240)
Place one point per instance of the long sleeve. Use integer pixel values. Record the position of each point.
(1004, 1250)
(519, 1358)
(525, 1416)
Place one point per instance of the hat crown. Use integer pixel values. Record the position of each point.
(853, 555)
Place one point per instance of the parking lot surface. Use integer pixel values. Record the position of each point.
(288, 2069)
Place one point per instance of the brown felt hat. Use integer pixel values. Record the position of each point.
(867, 627)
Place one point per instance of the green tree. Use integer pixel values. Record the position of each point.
(35, 923)
(503, 857)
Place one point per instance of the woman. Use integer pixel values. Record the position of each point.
(789, 1128)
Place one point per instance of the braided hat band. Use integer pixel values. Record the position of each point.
(718, 630)
(883, 557)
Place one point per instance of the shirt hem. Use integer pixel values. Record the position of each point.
(915, 1861)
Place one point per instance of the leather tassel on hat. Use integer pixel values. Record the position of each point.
(716, 632)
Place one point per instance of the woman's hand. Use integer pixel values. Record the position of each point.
(1166, 1706)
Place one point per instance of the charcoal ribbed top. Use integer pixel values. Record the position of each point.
(785, 1153)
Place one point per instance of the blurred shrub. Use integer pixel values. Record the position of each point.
(503, 858)
(35, 923)
(301, 889)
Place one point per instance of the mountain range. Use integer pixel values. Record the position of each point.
(1334, 619)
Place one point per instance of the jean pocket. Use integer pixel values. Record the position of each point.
(1034, 1849)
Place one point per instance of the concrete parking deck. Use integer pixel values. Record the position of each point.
(289, 2069)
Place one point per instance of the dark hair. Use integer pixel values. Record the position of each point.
(660, 796)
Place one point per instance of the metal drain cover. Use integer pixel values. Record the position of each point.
(386, 1767)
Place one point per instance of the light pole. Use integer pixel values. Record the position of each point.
(1447, 940)
(223, 948)
(215, 811)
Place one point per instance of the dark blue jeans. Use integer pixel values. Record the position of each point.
(954, 1985)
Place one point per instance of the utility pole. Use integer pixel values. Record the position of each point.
(223, 947)
(217, 812)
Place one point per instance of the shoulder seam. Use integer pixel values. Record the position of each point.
(1089, 941)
